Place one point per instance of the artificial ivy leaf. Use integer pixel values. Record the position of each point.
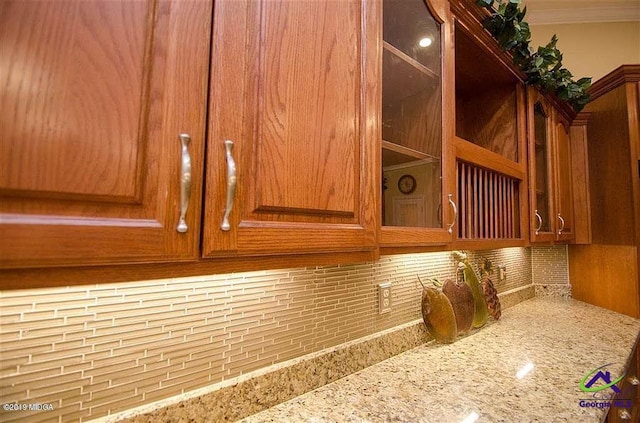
(584, 83)
(511, 12)
(562, 94)
(522, 14)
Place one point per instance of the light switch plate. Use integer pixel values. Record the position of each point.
(384, 297)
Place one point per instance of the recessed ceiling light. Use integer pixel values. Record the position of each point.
(425, 42)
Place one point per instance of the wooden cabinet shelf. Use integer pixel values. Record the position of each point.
(394, 154)
(410, 60)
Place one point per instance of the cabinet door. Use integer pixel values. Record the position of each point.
(294, 97)
(563, 180)
(418, 192)
(94, 96)
(541, 198)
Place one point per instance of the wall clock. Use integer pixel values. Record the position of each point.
(407, 184)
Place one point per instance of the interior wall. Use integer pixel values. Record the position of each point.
(592, 49)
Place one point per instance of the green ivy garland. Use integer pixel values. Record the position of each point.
(543, 67)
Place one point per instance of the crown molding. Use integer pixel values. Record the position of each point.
(562, 12)
(614, 79)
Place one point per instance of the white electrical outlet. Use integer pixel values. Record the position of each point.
(502, 273)
(384, 297)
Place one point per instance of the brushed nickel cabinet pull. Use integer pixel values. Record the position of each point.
(231, 184)
(633, 380)
(624, 414)
(185, 182)
(561, 224)
(539, 222)
(455, 214)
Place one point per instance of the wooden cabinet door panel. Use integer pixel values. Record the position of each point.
(308, 88)
(563, 183)
(292, 89)
(72, 96)
(94, 96)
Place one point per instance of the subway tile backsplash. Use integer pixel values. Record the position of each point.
(95, 350)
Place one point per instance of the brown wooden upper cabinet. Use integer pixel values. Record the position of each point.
(293, 124)
(332, 128)
(94, 97)
(418, 186)
(551, 199)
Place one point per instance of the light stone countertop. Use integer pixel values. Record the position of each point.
(475, 377)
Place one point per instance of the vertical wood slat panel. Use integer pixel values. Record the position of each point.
(496, 211)
(501, 216)
(482, 203)
(469, 199)
(488, 204)
(496, 216)
(476, 201)
(462, 169)
(492, 232)
(510, 215)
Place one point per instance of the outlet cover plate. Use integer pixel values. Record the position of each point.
(384, 297)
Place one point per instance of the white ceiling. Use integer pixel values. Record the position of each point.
(540, 12)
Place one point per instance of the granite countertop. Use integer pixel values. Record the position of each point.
(474, 379)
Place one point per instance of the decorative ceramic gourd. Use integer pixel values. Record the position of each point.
(481, 314)
(438, 315)
(461, 299)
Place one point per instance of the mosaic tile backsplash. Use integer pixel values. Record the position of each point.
(96, 350)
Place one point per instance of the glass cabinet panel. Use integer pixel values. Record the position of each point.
(411, 116)
(541, 137)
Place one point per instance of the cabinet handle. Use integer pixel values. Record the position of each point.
(624, 414)
(185, 182)
(539, 222)
(561, 224)
(633, 380)
(231, 185)
(455, 214)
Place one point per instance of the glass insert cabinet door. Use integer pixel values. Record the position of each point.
(541, 146)
(412, 168)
